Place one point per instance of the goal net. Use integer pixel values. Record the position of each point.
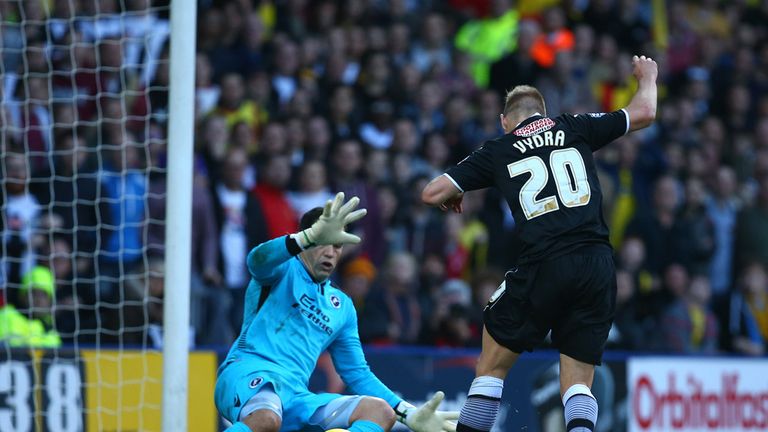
(83, 132)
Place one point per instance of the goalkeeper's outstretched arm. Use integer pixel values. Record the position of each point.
(350, 363)
(266, 261)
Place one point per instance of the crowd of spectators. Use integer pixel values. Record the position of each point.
(297, 99)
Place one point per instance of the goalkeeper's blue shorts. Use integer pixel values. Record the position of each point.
(241, 380)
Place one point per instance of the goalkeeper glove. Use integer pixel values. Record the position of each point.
(329, 229)
(426, 418)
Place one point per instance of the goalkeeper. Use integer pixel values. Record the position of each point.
(292, 315)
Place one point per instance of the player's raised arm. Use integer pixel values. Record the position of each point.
(329, 228)
(642, 108)
(599, 129)
(264, 260)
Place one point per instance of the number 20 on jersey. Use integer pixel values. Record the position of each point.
(570, 174)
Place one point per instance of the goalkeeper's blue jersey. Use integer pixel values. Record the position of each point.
(290, 320)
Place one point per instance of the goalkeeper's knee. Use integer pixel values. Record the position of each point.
(376, 410)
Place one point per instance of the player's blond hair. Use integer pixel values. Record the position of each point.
(524, 99)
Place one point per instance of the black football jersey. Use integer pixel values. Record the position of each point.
(547, 174)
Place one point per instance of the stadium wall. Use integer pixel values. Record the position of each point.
(43, 391)
(47, 391)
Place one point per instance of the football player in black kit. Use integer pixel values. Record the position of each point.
(564, 280)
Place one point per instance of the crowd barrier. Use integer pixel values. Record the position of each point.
(105, 390)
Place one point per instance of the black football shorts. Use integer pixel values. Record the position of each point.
(572, 295)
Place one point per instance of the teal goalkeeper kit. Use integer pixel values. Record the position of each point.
(289, 321)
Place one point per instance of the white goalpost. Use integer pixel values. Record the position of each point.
(179, 214)
(96, 169)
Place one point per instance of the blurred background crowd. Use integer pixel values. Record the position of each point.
(298, 99)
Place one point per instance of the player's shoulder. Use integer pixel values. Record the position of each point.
(577, 122)
(333, 287)
(492, 143)
(487, 150)
(337, 297)
(592, 115)
(295, 266)
(572, 119)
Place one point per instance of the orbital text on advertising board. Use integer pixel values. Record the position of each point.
(688, 394)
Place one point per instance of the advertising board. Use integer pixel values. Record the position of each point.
(697, 394)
